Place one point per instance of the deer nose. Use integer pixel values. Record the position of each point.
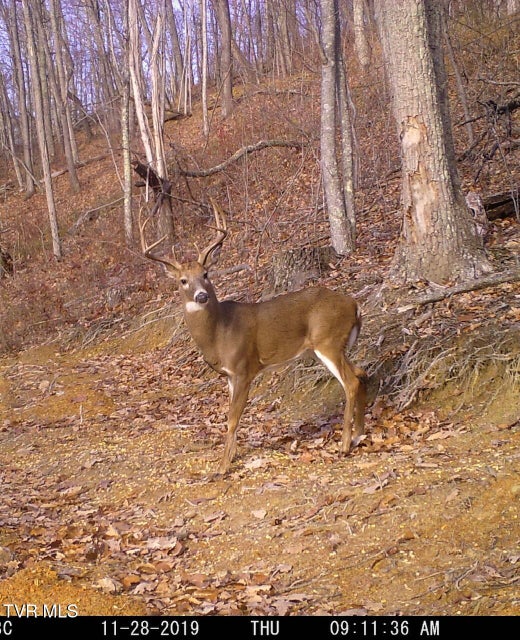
(201, 297)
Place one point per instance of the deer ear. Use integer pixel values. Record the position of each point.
(170, 271)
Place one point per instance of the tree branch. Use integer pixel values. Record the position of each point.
(471, 285)
(262, 144)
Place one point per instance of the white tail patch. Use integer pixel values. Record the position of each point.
(330, 366)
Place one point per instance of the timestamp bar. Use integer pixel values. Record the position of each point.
(279, 628)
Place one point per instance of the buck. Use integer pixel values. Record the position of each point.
(240, 339)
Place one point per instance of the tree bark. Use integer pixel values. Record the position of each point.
(439, 241)
(360, 33)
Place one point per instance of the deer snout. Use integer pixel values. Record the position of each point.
(201, 297)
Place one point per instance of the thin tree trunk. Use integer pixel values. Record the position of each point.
(176, 50)
(23, 100)
(341, 228)
(461, 91)
(136, 80)
(6, 122)
(61, 98)
(348, 178)
(205, 119)
(125, 137)
(157, 69)
(226, 60)
(42, 141)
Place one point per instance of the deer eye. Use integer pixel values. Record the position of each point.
(205, 275)
(184, 281)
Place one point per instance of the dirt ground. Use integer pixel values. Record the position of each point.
(107, 505)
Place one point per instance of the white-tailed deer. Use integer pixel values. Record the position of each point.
(239, 339)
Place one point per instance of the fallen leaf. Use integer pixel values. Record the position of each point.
(162, 543)
(257, 463)
(108, 585)
(129, 580)
(452, 495)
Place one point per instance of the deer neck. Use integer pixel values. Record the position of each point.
(202, 322)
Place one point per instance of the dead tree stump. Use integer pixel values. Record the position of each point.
(294, 268)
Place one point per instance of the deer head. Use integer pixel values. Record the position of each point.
(192, 277)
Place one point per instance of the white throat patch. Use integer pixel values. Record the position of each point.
(192, 307)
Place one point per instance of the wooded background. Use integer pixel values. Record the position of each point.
(112, 75)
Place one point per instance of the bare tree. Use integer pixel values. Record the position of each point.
(226, 60)
(7, 134)
(204, 78)
(177, 72)
(40, 126)
(125, 133)
(151, 138)
(439, 240)
(337, 184)
(59, 81)
(11, 16)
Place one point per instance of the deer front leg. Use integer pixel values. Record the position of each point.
(238, 391)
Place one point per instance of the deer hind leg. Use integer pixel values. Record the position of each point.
(361, 402)
(238, 392)
(352, 382)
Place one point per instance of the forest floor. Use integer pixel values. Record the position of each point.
(105, 454)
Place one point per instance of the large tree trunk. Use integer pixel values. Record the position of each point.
(439, 240)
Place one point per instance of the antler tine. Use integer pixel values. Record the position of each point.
(147, 249)
(220, 218)
(221, 229)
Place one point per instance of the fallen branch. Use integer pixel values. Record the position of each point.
(91, 214)
(78, 165)
(251, 148)
(471, 285)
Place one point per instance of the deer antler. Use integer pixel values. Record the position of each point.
(221, 229)
(147, 249)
